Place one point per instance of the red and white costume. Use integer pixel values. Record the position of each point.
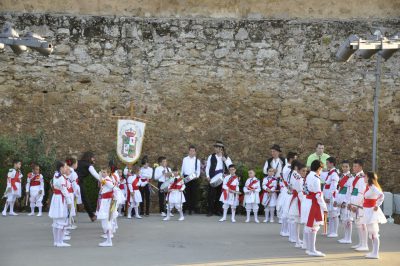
(251, 191)
(330, 192)
(269, 197)
(73, 177)
(342, 200)
(14, 178)
(175, 197)
(134, 196)
(373, 198)
(228, 198)
(35, 188)
(313, 207)
(356, 200)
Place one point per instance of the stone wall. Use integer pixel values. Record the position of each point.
(286, 9)
(251, 83)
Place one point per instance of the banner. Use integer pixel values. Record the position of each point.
(130, 134)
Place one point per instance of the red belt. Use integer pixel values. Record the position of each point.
(70, 190)
(107, 195)
(315, 210)
(13, 181)
(58, 192)
(35, 183)
(121, 186)
(143, 179)
(135, 187)
(369, 203)
(327, 186)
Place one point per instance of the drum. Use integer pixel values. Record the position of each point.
(190, 178)
(164, 186)
(216, 180)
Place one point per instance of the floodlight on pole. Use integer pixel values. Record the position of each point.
(384, 48)
(20, 44)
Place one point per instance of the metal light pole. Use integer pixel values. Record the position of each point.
(385, 48)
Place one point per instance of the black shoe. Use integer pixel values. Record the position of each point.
(209, 214)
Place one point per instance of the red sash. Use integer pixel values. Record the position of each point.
(315, 210)
(230, 187)
(34, 181)
(107, 195)
(115, 177)
(268, 185)
(70, 190)
(175, 185)
(343, 182)
(296, 195)
(58, 192)
(15, 180)
(250, 186)
(328, 186)
(121, 186)
(135, 184)
(355, 181)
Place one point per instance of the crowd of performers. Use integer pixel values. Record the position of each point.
(309, 195)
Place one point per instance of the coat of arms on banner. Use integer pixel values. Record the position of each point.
(130, 136)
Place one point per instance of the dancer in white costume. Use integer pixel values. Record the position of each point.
(330, 193)
(269, 197)
(230, 193)
(251, 191)
(13, 190)
(373, 215)
(35, 189)
(175, 197)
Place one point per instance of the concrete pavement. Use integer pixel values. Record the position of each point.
(199, 240)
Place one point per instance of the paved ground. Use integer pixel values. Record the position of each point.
(198, 240)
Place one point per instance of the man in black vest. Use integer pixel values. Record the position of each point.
(191, 168)
(217, 164)
(85, 168)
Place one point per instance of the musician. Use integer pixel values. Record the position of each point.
(191, 168)
(251, 191)
(276, 161)
(356, 201)
(35, 189)
(230, 194)
(86, 168)
(175, 197)
(330, 193)
(13, 191)
(161, 174)
(269, 186)
(313, 208)
(146, 173)
(217, 165)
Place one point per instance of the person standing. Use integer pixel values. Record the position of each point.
(146, 173)
(84, 169)
(318, 155)
(191, 167)
(162, 173)
(217, 165)
(13, 191)
(276, 161)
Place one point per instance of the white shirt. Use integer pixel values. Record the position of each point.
(159, 173)
(145, 173)
(188, 166)
(286, 171)
(219, 166)
(277, 164)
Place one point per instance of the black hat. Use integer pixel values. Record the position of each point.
(276, 147)
(219, 144)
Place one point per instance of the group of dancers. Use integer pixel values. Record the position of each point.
(310, 196)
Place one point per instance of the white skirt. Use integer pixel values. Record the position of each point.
(136, 197)
(252, 197)
(14, 193)
(294, 211)
(58, 208)
(305, 212)
(104, 210)
(285, 203)
(176, 197)
(281, 198)
(119, 196)
(370, 216)
(232, 199)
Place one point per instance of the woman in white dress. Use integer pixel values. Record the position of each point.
(373, 215)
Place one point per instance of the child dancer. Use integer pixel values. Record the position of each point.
(35, 189)
(373, 215)
(230, 193)
(175, 197)
(107, 209)
(343, 199)
(13, 191)
(269, 186)
(60, 205)
(134, 196)
(330, 192)
(252, 195)
(123, 186)
(314, 208)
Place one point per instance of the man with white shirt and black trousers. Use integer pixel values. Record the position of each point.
(161, 174)
(84, 169)
(217, 164)
(191, 166)
(146, 173)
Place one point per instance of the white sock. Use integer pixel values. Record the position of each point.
(109, 236)
(364, 236)
(32, 209)
(224, 214)
(55, 236)
(233, 214)
(12, 206)
(136, 211)
(312, 238)
(335, 225)
(271, 211)
(180, 213)
(60, 236)
(6, 206)
(129, 211)
(40, 209)
(305, 240)
(349, 230)
(375, 246)
(255, 213)
(266, 214)
(248, 215)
